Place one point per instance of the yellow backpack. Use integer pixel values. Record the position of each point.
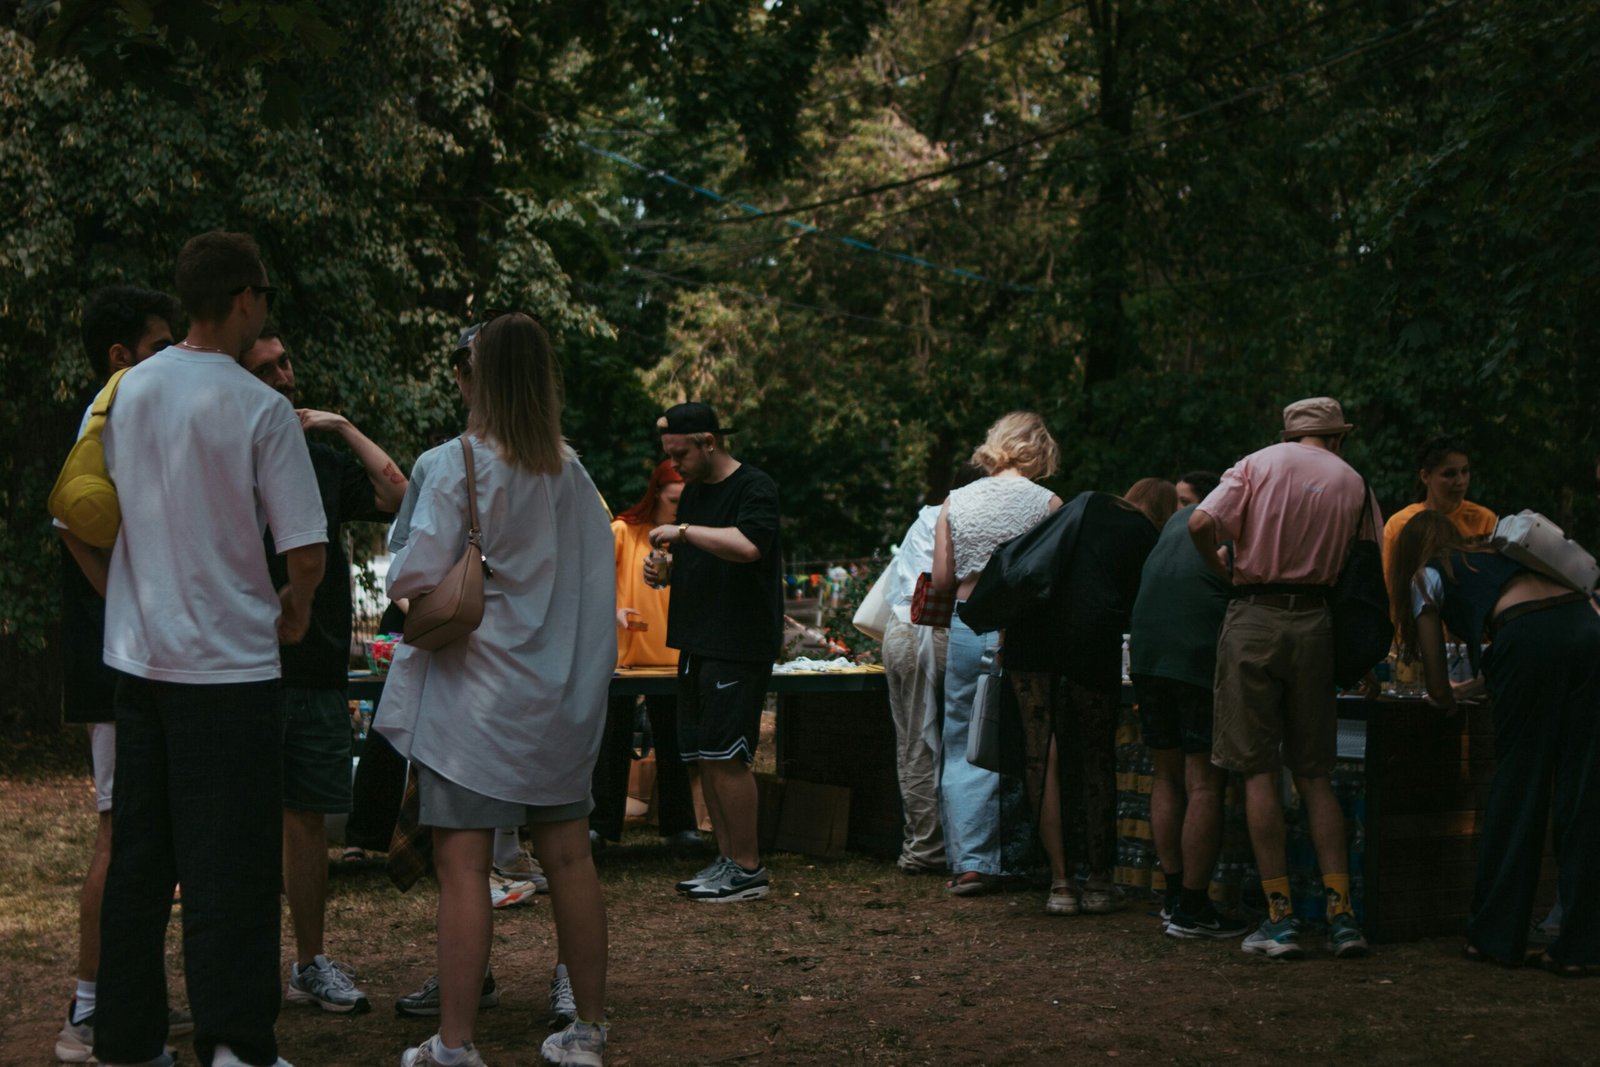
(85, 498)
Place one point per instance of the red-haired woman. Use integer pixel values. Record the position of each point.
(642, 642)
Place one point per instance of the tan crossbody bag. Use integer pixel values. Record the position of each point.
(453, 609)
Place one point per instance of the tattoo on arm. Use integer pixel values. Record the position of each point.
(392, 473)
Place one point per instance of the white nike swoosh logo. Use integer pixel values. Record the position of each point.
(726, 685)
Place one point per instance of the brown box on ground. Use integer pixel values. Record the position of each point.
(641, 805)
(769, 806)
(814, 819)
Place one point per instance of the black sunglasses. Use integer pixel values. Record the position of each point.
(267, 291)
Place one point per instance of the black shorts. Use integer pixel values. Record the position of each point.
(719, 707)
(1174, 714)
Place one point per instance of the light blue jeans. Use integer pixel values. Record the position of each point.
(969, 797)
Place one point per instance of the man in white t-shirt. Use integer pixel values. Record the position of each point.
(204, 457)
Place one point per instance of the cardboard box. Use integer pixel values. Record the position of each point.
(814, 820)
(769, 806)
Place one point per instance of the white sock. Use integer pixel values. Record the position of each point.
(82, 1002)
(447, 1055)
(507, 848)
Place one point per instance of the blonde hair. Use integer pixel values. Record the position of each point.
(1156, 497)
(516, 394)
(1018, 441)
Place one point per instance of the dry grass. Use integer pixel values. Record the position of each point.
(846, 962)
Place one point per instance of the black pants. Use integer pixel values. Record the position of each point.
(379, 787)
(199, 800)
(1543, 672)
(610, 783)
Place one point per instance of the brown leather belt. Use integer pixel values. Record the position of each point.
(1288, 601)
(1528, 607)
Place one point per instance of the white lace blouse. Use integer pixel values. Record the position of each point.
(989, 512)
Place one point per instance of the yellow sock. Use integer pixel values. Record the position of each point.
(1278, 904)
(1337, 886)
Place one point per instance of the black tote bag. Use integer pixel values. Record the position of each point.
(1362, 629)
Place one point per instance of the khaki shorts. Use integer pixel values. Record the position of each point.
(1275, 687)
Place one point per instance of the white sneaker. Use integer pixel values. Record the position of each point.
(423, 1055)
(325, 984)
(579, 1045)
(224, 1057)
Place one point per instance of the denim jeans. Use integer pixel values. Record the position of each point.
(198, 801)
(969, 796)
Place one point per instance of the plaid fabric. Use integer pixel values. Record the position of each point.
(411, 847)
(930, 608)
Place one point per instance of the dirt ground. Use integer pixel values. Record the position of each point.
(845, 962)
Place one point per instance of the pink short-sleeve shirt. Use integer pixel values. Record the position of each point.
(1290, 509)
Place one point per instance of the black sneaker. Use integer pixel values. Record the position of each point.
(425, 1001)
(1208, 923)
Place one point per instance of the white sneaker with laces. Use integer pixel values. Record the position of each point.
(579, 1045)
(325, 984)
(427, 1055)
(563, 1008)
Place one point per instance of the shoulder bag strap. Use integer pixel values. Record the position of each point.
(474, 532)
(102, 403)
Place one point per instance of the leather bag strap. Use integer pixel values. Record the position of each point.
(474, 534)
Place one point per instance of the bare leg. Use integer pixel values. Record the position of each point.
(1263, 809)
(734, 818)
(1202, 819)
(1327, 824)
(94, 889)
(461, 859)
(719, 825)
(580, 910)
(305, 879)
(1050, 835)
(1167, 807)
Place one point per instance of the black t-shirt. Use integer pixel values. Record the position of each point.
(322, 660)
(720, 609)
(88, 686)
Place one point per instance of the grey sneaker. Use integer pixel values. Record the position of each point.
(425, 1001)
(1275, 940)
(732, 885)
(581, 1045)
(563, 1009)
(423, 1055)
(326, 985)
(704, 874)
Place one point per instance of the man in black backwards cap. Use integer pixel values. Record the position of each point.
(726, 620)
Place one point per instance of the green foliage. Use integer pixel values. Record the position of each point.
(1153, 222)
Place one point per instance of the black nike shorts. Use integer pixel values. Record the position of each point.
(719, 707)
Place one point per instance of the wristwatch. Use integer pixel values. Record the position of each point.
(683, 532)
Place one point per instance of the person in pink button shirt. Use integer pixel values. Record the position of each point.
(1291, 510)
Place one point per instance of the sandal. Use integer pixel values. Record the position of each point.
(970, 884)
(1561, 970)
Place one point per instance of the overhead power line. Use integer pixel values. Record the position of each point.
(805, 229)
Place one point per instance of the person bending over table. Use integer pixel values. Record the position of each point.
(1543, 673)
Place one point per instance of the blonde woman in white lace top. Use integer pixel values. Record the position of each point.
(974, 521)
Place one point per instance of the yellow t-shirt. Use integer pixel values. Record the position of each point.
(1473, 520)
(640, 648)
